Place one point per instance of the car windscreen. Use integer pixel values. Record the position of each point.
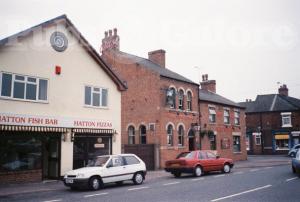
(187, 155)
(98, 161)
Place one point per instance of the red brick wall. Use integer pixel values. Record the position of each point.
(223, 130)
(21, 176)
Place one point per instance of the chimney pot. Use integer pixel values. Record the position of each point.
(209, 85)
(283, 90)
(110, 32)
(110, 42)
(115, 31)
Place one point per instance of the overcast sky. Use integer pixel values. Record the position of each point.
(247, 46)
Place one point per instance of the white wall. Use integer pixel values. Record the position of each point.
(34, 56)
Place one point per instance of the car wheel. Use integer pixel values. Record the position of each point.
(95, 183)
(226, 168)
(138, 178)
(177, 174)
(198, 171)
(293, 169)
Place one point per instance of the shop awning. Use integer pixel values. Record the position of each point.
(282, 137)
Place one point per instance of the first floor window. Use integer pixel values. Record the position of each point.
(95, 96)
(189, 101)
(226, 116)
(143, 137)
(286, 119)
(131, 135)
(237, 117)
(212, 114)
(236, 143)
(180, 135)
(180, 99)
(23, 87)
(170, 135)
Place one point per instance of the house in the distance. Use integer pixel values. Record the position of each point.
(273, 122)
(222, 122)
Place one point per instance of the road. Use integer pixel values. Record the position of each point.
(276, 183)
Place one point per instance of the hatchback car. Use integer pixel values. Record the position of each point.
(293, 150)
(107, 169)
(296, 163)
(198, 162)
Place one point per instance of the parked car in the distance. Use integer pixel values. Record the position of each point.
(293, 150)
(106, 169)
(198, 162)
(296, 163)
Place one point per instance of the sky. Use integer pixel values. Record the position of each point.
(249, 47)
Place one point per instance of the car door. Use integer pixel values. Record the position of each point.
(212, 161)
(132, 165)
(115, 170)
(202, 156)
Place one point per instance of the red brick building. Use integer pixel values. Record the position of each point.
(222, 123)
(160, 107)
(273, 122)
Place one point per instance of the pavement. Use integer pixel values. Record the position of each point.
(252, 162)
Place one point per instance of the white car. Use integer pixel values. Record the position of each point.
(107, 169)
(293, 150)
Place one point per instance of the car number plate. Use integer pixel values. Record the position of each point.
(69, 181)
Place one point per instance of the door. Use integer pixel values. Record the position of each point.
(115, 171)
(191, 136)
(51, 156)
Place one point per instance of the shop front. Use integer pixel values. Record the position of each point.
(295, 138)
(31, 151)
(281, 142)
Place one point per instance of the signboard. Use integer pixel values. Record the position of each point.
(49, 121)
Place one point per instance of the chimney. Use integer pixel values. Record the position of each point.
(209, 85)
(111, 41)
(158, 57)
(283, 90)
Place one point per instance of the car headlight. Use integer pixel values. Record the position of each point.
(80, 175)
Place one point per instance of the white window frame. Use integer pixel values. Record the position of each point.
(100, 95)
(286, 116)
(180, 136)
(25, 81)
(180, 99)
(257, 137)
(212, 113)
(189, 98)
(131, 136)
(237, 117)
(226, 116)
(170, 136)
(239, 143)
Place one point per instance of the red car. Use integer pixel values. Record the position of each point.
(198, 162)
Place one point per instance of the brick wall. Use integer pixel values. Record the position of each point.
(21, 176)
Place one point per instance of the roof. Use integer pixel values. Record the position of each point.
(164, 72)
(205, 95)
(69, 25)
(272, 103)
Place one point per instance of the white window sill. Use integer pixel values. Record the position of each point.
(286, 126)
(94, 107)
(237, 152)
(24, 100)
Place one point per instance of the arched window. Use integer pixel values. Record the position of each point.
(131, 135)
(189, 101)
(170, 135)
(143, 137)
(171, 97)
(180, 99)
(180, 135)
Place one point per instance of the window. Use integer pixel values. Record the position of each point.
(286, 119)
(189, 101)
(180, 135)
(212, 140)
(210, 155)
(23, 87)
(170, 135)
(237, 117)
(131, 160)
(95, 96)
(257, 137)
(236, 144)
(131, 135)
(282, 141)
(143, 137)
(171, 97)
(117, 161)
(212, 115)
(180, 99)
(226, 116)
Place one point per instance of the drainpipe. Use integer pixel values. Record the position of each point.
(262, 134)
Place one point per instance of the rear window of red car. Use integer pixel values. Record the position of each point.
(187, 155)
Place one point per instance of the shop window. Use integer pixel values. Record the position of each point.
(286, 119)
(180, 135)
(236, 144)
(236, 117)
(282, 141)
(189, 101)
(95, 96)
(226, 116)
(20, 152)
(170, 135)
(171, 97)
(131, 135)
(212, 114)
(143, 137)
(180, 99)
(22, 87)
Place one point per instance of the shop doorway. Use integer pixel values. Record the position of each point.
(87, 147)
(191, 136)
(51, 156)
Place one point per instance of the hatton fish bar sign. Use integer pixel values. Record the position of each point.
(45, 121)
